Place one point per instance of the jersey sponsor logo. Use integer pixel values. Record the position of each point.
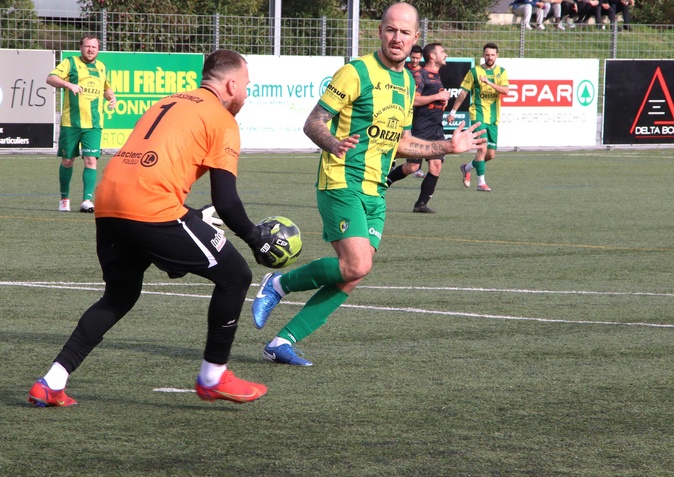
(92, 88)
(399, 89)
(489, 96)
(546, 92)
(129, 154)
(149, 159)
(376, 132)
(129, 157)
(335, 92)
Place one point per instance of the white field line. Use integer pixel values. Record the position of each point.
(173, 390)
(98, 286)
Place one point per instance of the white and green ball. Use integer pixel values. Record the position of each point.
(287, 239)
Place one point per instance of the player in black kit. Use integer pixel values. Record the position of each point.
(430, 101)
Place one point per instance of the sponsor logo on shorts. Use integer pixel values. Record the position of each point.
(218, 241)
(374, 232)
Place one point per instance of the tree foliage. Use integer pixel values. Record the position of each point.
(655, 12)
(313, 9)
(17, 20)
(17, 4)
(452, 10)
(185, 7)
(441, 10)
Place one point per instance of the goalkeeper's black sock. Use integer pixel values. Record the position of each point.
(395, 175)
(427, 188)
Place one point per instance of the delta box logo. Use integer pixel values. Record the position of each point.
(638, 107)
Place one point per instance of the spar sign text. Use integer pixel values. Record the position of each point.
(552, 103)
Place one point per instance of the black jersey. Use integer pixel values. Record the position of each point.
(427, 122)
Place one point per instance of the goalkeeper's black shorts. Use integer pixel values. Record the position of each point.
(126, 248)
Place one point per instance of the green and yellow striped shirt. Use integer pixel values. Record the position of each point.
(368, 99)
(83, 110)
(486, 105)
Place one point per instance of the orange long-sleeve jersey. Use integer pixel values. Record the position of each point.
(173, 144)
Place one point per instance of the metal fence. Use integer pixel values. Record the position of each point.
(137, 32)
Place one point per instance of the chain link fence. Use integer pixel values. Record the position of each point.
(141, 32)
(136, 32)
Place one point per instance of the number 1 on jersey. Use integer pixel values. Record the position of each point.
(164, 109)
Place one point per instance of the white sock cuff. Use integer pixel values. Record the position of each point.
(276, 283)
(57, 377)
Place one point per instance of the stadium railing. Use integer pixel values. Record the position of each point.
(140, 32)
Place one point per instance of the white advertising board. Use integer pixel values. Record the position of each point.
(27, 102)
(552, 103)
(282, 92)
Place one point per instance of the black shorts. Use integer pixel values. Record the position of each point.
(430, 134)
(126, 248)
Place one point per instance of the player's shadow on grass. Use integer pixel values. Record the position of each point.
(55, 341)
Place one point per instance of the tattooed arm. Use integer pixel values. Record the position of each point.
(316, 129)
(462, 140)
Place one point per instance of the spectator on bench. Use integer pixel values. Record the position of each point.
(562, 10)
(525, 8)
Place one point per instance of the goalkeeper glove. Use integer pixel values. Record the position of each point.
(262, 243)
(207, 215)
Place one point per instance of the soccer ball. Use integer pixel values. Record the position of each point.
(287, 239)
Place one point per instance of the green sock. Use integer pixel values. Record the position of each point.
(313, 275)
(65, 175)
(89, 181)
(313, 314)
(479, 167)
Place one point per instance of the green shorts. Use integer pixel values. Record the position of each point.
(492, 134)
(71, 138)
(347, 213)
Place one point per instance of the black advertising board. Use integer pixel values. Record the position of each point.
(638, 103)
(452, 74)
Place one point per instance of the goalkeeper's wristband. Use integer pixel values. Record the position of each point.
(253, 237)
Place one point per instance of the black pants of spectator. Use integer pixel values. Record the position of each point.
(601, 12)
(625, 10)
(585, 11)
(590, 11)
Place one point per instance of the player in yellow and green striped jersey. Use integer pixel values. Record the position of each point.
(486, 83)
(85, 83)
(361, 120)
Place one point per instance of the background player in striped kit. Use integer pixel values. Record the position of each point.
(85, 82)
(486, 83)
